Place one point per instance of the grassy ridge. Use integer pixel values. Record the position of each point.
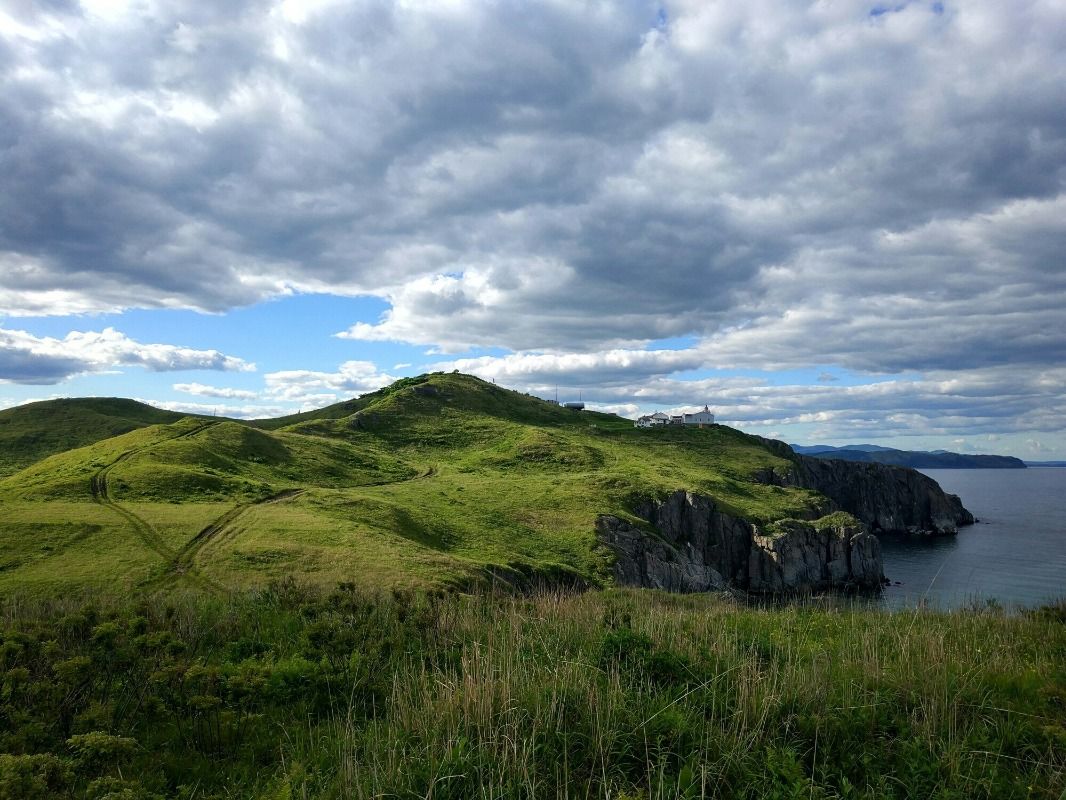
(292, 693)
(431, 481)
(34, 431)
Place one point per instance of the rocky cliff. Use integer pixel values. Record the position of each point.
(887, 498)
(690, 545)
(694, 547)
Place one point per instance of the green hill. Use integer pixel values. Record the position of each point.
(438, 479)
(33, 431)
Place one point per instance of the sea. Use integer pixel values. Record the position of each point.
(1014, 556)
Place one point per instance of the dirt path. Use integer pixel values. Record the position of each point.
(98, 485)
(184, 560)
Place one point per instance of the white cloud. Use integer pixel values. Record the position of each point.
(307, 387)
(578, 177)
(202, 390)
(25, 358)
(221, 409)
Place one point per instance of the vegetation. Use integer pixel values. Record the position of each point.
(154, 642)
(289, 692)
(439, 480)
(33, 431)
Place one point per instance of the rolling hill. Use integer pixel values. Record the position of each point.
(437, 480)
(429, 480)
(33, 431)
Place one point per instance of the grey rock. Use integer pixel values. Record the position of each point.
(642, 559)
(887, 498)
(696, 547)
(800, 557)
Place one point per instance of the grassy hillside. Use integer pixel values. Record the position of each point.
(434, 480)
(34, 431)
(202, 608)
(619, 695)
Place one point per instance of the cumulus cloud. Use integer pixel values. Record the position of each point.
(308, 387)
(576, 177)
(203, 390)
(789, 185)
(250, 411)
(29, 359)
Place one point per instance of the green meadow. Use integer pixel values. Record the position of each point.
(378, 600)
(290, 691)
(438, 481)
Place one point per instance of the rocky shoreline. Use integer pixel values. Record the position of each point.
(689, 544)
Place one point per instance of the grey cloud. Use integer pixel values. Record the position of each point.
(794, 184)
(22, 365)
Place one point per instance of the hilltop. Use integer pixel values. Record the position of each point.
(437, 480)
(33, 431)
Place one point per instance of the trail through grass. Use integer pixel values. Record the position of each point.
(434, 481)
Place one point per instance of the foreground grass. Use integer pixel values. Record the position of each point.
(289, 693)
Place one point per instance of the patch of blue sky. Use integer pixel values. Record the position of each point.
(672, 343)
(297, 332)
(432, 356)
(880, 10)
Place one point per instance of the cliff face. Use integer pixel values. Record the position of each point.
(887, 498)
(699, 548)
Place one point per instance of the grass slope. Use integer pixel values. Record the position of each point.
(436, 479)
(622, 695)
(34, 431)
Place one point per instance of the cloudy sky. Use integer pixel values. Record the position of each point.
(831, 221)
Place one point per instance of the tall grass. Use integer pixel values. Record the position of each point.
(627, 694)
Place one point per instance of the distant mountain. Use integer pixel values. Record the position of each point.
(936, 459)
(1045, 463)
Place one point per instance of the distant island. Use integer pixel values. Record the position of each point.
(916, 459)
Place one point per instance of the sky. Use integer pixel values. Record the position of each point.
(831, 221)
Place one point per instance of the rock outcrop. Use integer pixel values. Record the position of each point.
(804, 556)
(697, 547)
(888, 499)
(691, 545)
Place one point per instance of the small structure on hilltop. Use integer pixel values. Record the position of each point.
(701, 418)
(575, 405)
(704, 417)
(652, 420)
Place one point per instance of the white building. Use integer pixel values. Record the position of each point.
(704, 417)
(652, 420)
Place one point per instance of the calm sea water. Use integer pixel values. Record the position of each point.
(1016, 554)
